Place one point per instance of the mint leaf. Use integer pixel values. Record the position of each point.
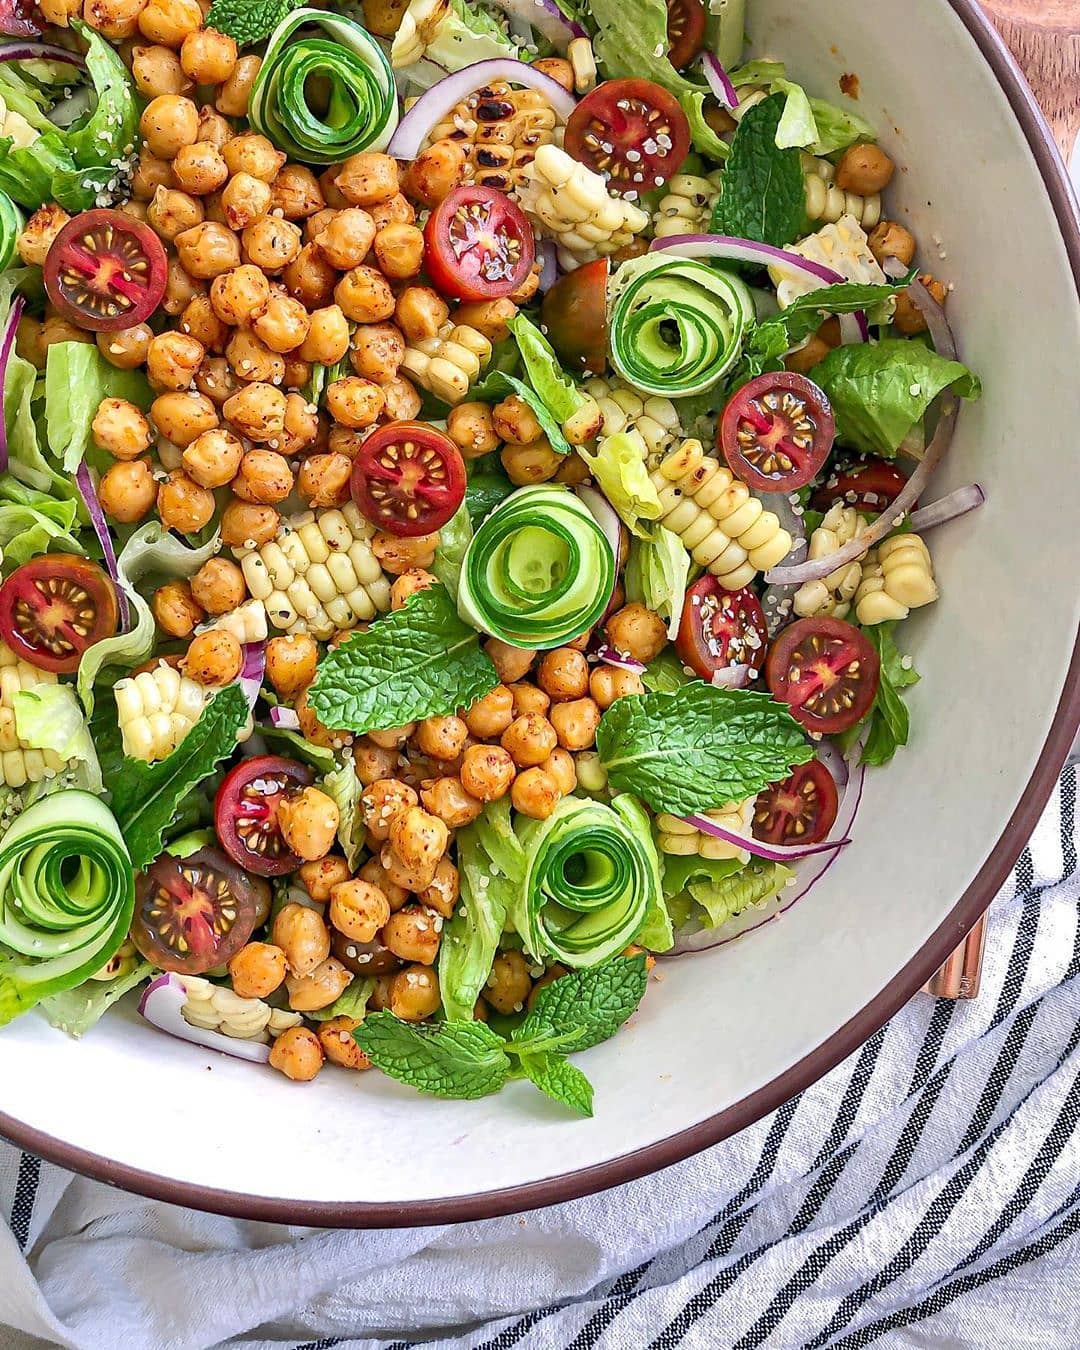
(557, 1078)
(420, 661)
(762, 193)
(145, 797)
(447, 1059)
(598, 1000)
(698, 747)
(889, 720)
(248, 21)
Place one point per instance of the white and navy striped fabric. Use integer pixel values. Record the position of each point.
(926, 1193)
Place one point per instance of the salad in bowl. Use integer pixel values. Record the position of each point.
(463, 470)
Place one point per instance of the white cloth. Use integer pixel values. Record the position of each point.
(926, 1193)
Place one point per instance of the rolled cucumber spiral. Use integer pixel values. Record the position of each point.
(67, 891)
(676, 324)
(592, 877)
(539, 571)
(346, 71)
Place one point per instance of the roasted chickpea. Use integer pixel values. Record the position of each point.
(398, 554)
(372, 762)
(530, 738)
(313, 730)
(346, 238)
(383, 16)
(302, 937)
(323, 480)
(420, 313)
(489, 317)
(244, 199)
(382, 803)
(323, 986)
(120, 428)
(446, 798)
(208, 57)
(56, 329)
(219, 586)
(245, 525)
(301, 425)
(560, 765)
(515, 422)
(257, 411)
(283, 325)
(213, 128)
(606, 684)
(358, 909)
(575, 723)
(394, 211)
(414, 993)
(472, 429)
(442, 894)
(367, 178)
(181, 417)
(509, 984)
(150, 174)
(531, 284)
(169, 21)
(308, 821)
(487, 772)
(233, 94)
(176, 610)
(257, 970)
(125, 348)
(409, 584)
(864, 169)
(529, 699)
(327, 339)
(297, 372)
(563, 673)
(208, 250)
(909, 319)
(253, 154)
(169, 122)
(214, 658)
(298, 1054)
(511, 663)
(889, 239)
(172, 360)
(40, 230)
(536, 463)
(28, 342)
(803, 359)
(435, 172)
(60, 12)
(180, 288)
(413, 934)
(637, 632)
(391, 737)
(535, 793)
(264, 477)
(354, 402)
(320, 877)
(213, 458)
(419, 840)
(310, 279)
(572, 471)
(252, 361)
(183, 505)
(399, 250)
(201, 322)
(271, 243)
(156, 70)
(492, 714)
(200, 169)
(364, 295)
(291, 663)
(127, 491)
(241, 295)
(296, 193)
(403, 401)
(339, 1044)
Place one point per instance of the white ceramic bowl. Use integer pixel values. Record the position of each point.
(732, 1033)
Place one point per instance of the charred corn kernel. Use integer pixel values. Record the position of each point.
(318, 573)
(688, 205)
(156, 709)
(446, 365)
(247, 622)
(656, 420)
(571, 204)
(215, 1007)
(678, 836)
(897, 577)
(501, 129)
(19, 764)
(582, 58)
(825, 201)
(726, 530)
(843, 246)
(832, 595)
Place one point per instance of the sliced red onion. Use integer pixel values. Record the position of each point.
(438, 102)
(954, 504)
(285, 719)
(253, 670)
(731, 677)
(853, 329)
(162, 1005)
(614, 658)
(774, 852)
(7, 346)
(777, 601)
(719, 81)
(745, 251)
(547, 18)
(605, 516)
(85, 483)
(39, 51)
(549, 264)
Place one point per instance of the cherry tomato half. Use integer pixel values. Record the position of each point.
(105, 270)
(245, 813)
(800, 810)
(574, 316)
(631, 131)
(720, 628)
(826, 671)
(869, 485)
(16, 19)
(408, 478)
(478, 244)
(685, 31)
(777, 431)
(195, 913)
(54, 607)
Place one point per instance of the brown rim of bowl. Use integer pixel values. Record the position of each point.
(631, 1166)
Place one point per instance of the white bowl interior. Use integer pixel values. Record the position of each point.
(993, 653)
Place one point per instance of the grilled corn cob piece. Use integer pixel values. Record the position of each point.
(656, 420)
(448, 364)
(247, 622)
(214, 1007)
(843, 246)
(688, 205)
(318, 574)
(571, 204)
(832, 595)
(501, 129)
(897, 577)
(677, 836)
(156, 709)
(727, 530)
(19, 764)
(826, 202)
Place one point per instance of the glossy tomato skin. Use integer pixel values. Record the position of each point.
(193, 914)
(105, 270)
(800, 810)
(776, 431)
(574, 317)
(869, 486)
(408, 478)
(685, 30)
(245, 812)
(612, 124)
(826, 671)
(720, 628)
(54, 607)
(478, 244)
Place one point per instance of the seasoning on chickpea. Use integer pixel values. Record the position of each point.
(213, 459)
(308, 822)
(245, 525)
(414, 993)
(120, 428)
(364, 295)
(447, 798)
(339, 1044)
(257, 411)
(606, 684)
(323, 986)
(535, 793)
(354, 402)
(301, 935)
(127, 491)
(327, 338)
(298, 1054)
(413, 934)
(367, 178)
(637, 632)
(234, 93)
(169, 122)
(244, 199)
(509, 984)
(257, 970)
(219, 586)
(271, 242)
(183, 505)
(471, 427)
(208, 250)
(320, 877)
(487, 772)
(323, 480)
(529, 739)
(126, 348)
(214, 658)
(176, 610)
(358, 909)
(511, 663)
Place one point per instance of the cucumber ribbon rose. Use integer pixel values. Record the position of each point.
(67, 891)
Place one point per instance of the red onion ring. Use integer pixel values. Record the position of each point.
(613, 658)
(252, 671)
(85, 483)
(39, 51)
(761, 849)
(547, 18)
(7, 344)
(719, 81)
(161, 1004)
(950, 507)
(549, 264)
(776, 601)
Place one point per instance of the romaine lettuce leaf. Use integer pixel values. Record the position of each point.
(344, 788)
(461, 36)
(76, 1010)
(454, 539)
(31, 522)
(619, 467)
(77, 378)
(657, 575)
(48, 717)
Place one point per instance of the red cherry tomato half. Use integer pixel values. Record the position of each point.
(16, 19)
(105, 270)
(869, 485)
(574, 316)
(245, 813)
(826, 671)
(685, 31)
(408, 478)
(195, 913)
(478, 244)
(54, 607)
(631, 131)
(720, 628)
(800, 810)
(777, 431)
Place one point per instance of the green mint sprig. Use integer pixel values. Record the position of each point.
(248, 21)
(762, 192)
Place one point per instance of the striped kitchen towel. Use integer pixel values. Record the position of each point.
(927, 1192)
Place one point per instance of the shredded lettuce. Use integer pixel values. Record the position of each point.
(454, 539)
(344, 788)
(77, 378)
(352, 1003)
(657, 575)
(48, 717)
(557, 390)
(806, 123)
(715, 890)
(31, 522)
(618, 465)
